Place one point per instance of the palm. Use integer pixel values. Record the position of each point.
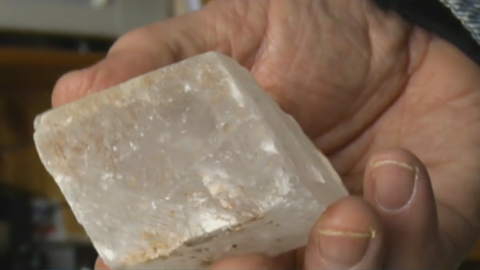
(404, 98)
(436, 118)
(356, 79)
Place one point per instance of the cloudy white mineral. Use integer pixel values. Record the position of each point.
(186, 165)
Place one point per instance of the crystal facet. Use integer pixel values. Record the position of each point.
(186, 165)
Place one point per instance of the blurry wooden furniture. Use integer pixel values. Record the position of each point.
(475, 254)
(27, 77)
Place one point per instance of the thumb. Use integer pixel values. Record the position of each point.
(220, 26)
(398, 185)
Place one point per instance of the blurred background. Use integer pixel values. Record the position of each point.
(39, 41)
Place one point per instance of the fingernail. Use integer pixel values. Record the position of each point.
(394, 184)
(343, 249)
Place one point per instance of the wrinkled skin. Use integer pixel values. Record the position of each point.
(363, 84)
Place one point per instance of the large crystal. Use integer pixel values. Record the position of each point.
(186, 165)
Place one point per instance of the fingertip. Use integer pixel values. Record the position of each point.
(397, 184)
(65, 88)
(117, 68)
(348, 234)
(392, 156)
(252, 261)
(350, 213)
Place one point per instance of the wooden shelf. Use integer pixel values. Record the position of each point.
(29, 70)
(19, 57)
(27, 78)
(475, 254)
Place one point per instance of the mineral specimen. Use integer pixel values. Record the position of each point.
(186, 165)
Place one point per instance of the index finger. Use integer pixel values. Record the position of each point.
(146, 49)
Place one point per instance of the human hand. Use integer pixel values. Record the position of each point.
(358, 81)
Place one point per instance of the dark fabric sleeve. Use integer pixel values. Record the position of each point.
(468, 12)
(445, 18)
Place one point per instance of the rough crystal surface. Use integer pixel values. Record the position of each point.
(186, 165)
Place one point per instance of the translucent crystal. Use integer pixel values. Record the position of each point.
(186, 165)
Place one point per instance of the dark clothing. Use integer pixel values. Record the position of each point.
(457, 21)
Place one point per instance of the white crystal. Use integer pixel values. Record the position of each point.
(186, 165)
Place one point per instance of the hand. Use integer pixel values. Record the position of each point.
(359, 81)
